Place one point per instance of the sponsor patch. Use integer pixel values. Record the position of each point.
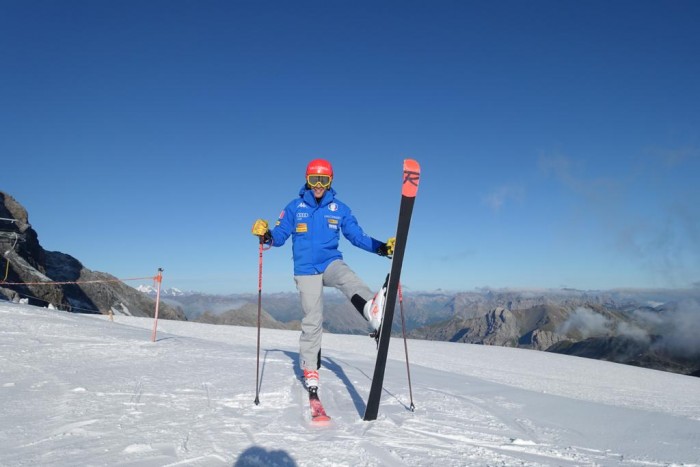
(302, 227)
(333, 221)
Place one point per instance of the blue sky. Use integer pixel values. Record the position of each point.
(559, 140)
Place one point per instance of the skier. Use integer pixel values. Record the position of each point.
(314, 220)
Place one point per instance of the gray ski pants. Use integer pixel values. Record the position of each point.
(338, 275)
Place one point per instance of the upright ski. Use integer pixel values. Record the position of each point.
(409, 189)
(318, 413)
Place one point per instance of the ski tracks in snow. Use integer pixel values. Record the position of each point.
(79, 390)
(479, 424)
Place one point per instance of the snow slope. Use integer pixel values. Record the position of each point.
(81, 390)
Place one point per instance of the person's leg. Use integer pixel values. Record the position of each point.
(311, 293)
(371, 306)
(339, 275)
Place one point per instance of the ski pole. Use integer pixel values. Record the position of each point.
(257, 368)
(405, 346)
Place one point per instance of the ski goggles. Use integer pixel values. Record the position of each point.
(319, 180)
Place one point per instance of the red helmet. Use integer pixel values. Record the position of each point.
(319, 167)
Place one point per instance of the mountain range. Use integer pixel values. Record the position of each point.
(647, 328)
(650, 328)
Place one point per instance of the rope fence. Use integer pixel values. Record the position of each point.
(153, 278)
(157, 279)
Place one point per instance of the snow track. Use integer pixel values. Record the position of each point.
(80, 390)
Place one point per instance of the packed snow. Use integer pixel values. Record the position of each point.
(84, 390)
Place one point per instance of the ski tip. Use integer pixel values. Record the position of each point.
(411, 177)
(321, 420)
(411, 164)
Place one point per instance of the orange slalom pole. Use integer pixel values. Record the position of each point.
(159, 280)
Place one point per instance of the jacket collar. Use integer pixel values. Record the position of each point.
(308, 196)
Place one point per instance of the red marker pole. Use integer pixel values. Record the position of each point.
(158, 279)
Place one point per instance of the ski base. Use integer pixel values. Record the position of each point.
(377, 333)
(318, 413)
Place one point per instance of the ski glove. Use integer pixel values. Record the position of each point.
(387, 249)
(260, 228)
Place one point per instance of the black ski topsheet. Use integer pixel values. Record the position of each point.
(409, 189)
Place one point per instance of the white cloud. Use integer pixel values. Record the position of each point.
(503, 194)
(588, 323)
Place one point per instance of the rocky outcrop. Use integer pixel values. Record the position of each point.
(543, 340)
(55, 279)
(497, 327)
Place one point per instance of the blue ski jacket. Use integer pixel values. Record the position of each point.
(315, 229)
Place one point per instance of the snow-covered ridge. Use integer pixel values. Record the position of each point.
(165, 292)
(81, 390)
